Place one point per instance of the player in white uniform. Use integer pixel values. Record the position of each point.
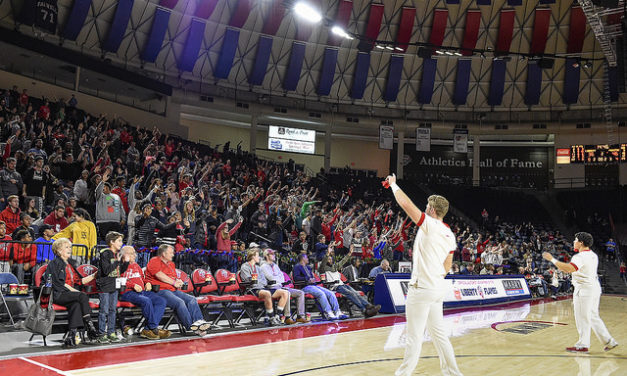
(432, 258)
(587, 294)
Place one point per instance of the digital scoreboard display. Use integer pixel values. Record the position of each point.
(598, 153)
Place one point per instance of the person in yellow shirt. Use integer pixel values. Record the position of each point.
(81, 231)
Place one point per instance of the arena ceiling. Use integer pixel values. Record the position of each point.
(260, 49)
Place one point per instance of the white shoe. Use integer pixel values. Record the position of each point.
(200, 325)
(340, 315)
(331, 316)
(610, 345)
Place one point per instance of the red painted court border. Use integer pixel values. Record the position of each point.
(99, 357)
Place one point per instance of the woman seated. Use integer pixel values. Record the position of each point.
(140, 293)
(64, 277)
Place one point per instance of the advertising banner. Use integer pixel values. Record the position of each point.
(423, 139)
(386, 137)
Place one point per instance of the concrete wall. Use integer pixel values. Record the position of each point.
(354, 153)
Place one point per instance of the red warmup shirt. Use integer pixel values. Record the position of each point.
(134, 276)
(58, 224)
(24, 254)
(156, 265)
(5, 250)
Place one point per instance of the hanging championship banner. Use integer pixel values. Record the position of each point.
(42, 14)
(460, 140)
(386, 137)
(423, 139)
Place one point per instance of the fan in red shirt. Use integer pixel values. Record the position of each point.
(24, 98)
(141, 295)
(24, 255)
(56, 219)
(44, 111)
(162, 271)
(6, 256)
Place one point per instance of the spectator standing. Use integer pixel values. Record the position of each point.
(81, 231)
(110, 215)
(610, 249)
(109, 269)
(81, 188)
(10, 180)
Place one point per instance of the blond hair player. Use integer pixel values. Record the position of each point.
(432, 258)
(587, 294)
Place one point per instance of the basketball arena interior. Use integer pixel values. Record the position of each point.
(313, 187)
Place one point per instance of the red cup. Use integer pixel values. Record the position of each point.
(13, 289)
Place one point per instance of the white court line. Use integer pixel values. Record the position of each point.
(197, 354)
(45, 366)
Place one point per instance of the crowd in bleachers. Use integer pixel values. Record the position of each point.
(185, 219)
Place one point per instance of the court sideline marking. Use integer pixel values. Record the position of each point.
(64, 373)
(457, 356)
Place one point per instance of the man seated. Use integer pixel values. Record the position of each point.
(141, 294)
(384, 267)
(24, 255)
(250, 273)
(333, 277)
(272, 272)
(162, 271)
(325, 298)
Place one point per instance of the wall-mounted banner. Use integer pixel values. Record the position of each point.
(423, 139)
(386, 137)
(460, 140)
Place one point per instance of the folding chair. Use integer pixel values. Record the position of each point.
(205, 283)
(6, 279)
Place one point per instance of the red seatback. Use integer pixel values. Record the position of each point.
(224, 276)
(39, 274)
(343, 278)
(203, 282)
(185, 278)
(86, 270)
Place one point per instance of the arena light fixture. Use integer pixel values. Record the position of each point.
(307, 12)
(380, 47)
(337, 30)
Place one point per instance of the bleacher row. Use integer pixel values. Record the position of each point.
(223, 298)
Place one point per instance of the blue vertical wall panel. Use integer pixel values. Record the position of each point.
(534, 83)
(118, 26)
(328, 71)
(76, 20)
(264, 48)
(461, 82)
(425, 92)
(294, 67)
(361, 74)
(394, 78)
(157, 35)
(571, 82)
(192, 45)
(227, 53)
(497, 83)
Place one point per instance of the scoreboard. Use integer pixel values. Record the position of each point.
(598, 153)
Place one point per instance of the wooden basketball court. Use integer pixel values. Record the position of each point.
(515, 339)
